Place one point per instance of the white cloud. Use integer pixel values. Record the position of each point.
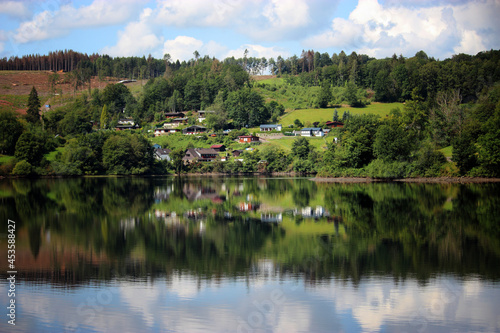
(182, 47)
(217, 13)
(137, 39)
(281, 20)
(15, 9)
(439, 30)
(55, 23)
(273, 20)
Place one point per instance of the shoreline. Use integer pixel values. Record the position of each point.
(430, 180)
(344, 180)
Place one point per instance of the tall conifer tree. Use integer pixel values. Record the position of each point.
(33, 113)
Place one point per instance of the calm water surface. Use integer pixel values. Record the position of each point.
(251, 255)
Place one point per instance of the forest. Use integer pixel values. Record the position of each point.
(447, 103)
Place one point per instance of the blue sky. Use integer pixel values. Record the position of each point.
(266, 28)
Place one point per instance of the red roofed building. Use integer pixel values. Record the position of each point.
(218, 147)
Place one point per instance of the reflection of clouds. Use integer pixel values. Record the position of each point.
(472, 287)
(294, 318)
(183, 302)
(185, 286)
(141, 299)
(376, 303)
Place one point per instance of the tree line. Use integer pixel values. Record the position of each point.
(392, 79)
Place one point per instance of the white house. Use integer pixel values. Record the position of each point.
(312, 131)
(268, 128)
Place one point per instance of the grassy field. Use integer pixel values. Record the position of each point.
(53, 154)
(5, 159)
(322, 115)
(286, 142)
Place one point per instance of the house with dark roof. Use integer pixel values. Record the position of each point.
(271, 127)
(312, 131)
(333, 124)
(194, 129)
(218, 147)
(174, 115)
(200, 155)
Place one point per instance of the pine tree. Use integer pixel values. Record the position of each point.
(33, 113)
(335, 115)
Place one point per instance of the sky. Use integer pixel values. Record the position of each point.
(266, 28)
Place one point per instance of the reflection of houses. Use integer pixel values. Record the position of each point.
(248, 138)
(309, 212)
(194, 130)
(271, 217)
(194, 192)
(162, 194)
(248, 206)
(194, 214)
(312, 131)
(128, 224)
(162, 154)
(200, 155)
(161, 213)
(268, 128)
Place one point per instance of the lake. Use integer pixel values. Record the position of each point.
(250, 254)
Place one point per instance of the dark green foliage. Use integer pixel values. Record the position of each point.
(127, 154)
(464, 153)
(335, 115)
(276, 110)
(298, 124)
(115, 96)
(429, 160)
(325, 95)
(246, 108)
(33, 112)
(176, 156)
(31, 147)
(392, 143)
(386, 169)
(351, 95)
(10, 130)
(277, 160)
(301, 148)
(489, 145)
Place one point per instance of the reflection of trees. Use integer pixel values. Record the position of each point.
(303, 192)
(400, 230)
(405, 231)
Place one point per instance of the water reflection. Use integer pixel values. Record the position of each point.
(177, 253)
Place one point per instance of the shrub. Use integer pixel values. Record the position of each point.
(23, 168)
